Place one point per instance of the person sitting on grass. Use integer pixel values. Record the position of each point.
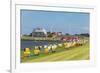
(26, 52)
(36, 51)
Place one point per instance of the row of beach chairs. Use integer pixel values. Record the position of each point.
(50, 48)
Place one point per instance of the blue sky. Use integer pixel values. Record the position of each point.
(66, 22)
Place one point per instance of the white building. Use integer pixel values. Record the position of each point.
(39, 32)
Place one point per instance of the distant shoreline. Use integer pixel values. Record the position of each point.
(39, 38)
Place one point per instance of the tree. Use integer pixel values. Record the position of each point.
(30, 34)
(85, 34)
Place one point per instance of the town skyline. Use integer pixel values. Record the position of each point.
(65, 22)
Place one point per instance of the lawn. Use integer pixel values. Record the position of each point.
(62, 54)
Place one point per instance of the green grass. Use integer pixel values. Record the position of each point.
(62, 54)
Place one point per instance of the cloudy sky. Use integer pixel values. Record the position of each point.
(66, 22)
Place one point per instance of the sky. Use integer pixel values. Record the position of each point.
(66, 22)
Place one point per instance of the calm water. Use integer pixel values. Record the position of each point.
(30, 44)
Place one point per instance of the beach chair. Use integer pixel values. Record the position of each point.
(26, 52)
(36, 52)
(46, 50)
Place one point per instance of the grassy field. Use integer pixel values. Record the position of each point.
(62, 54)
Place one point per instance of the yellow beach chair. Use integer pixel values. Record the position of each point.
(46, 50)
(36, 52)
(27, 52)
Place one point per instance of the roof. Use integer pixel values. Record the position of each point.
(40, 30)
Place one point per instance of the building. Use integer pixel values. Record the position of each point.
(39, 32)
(57, 34)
